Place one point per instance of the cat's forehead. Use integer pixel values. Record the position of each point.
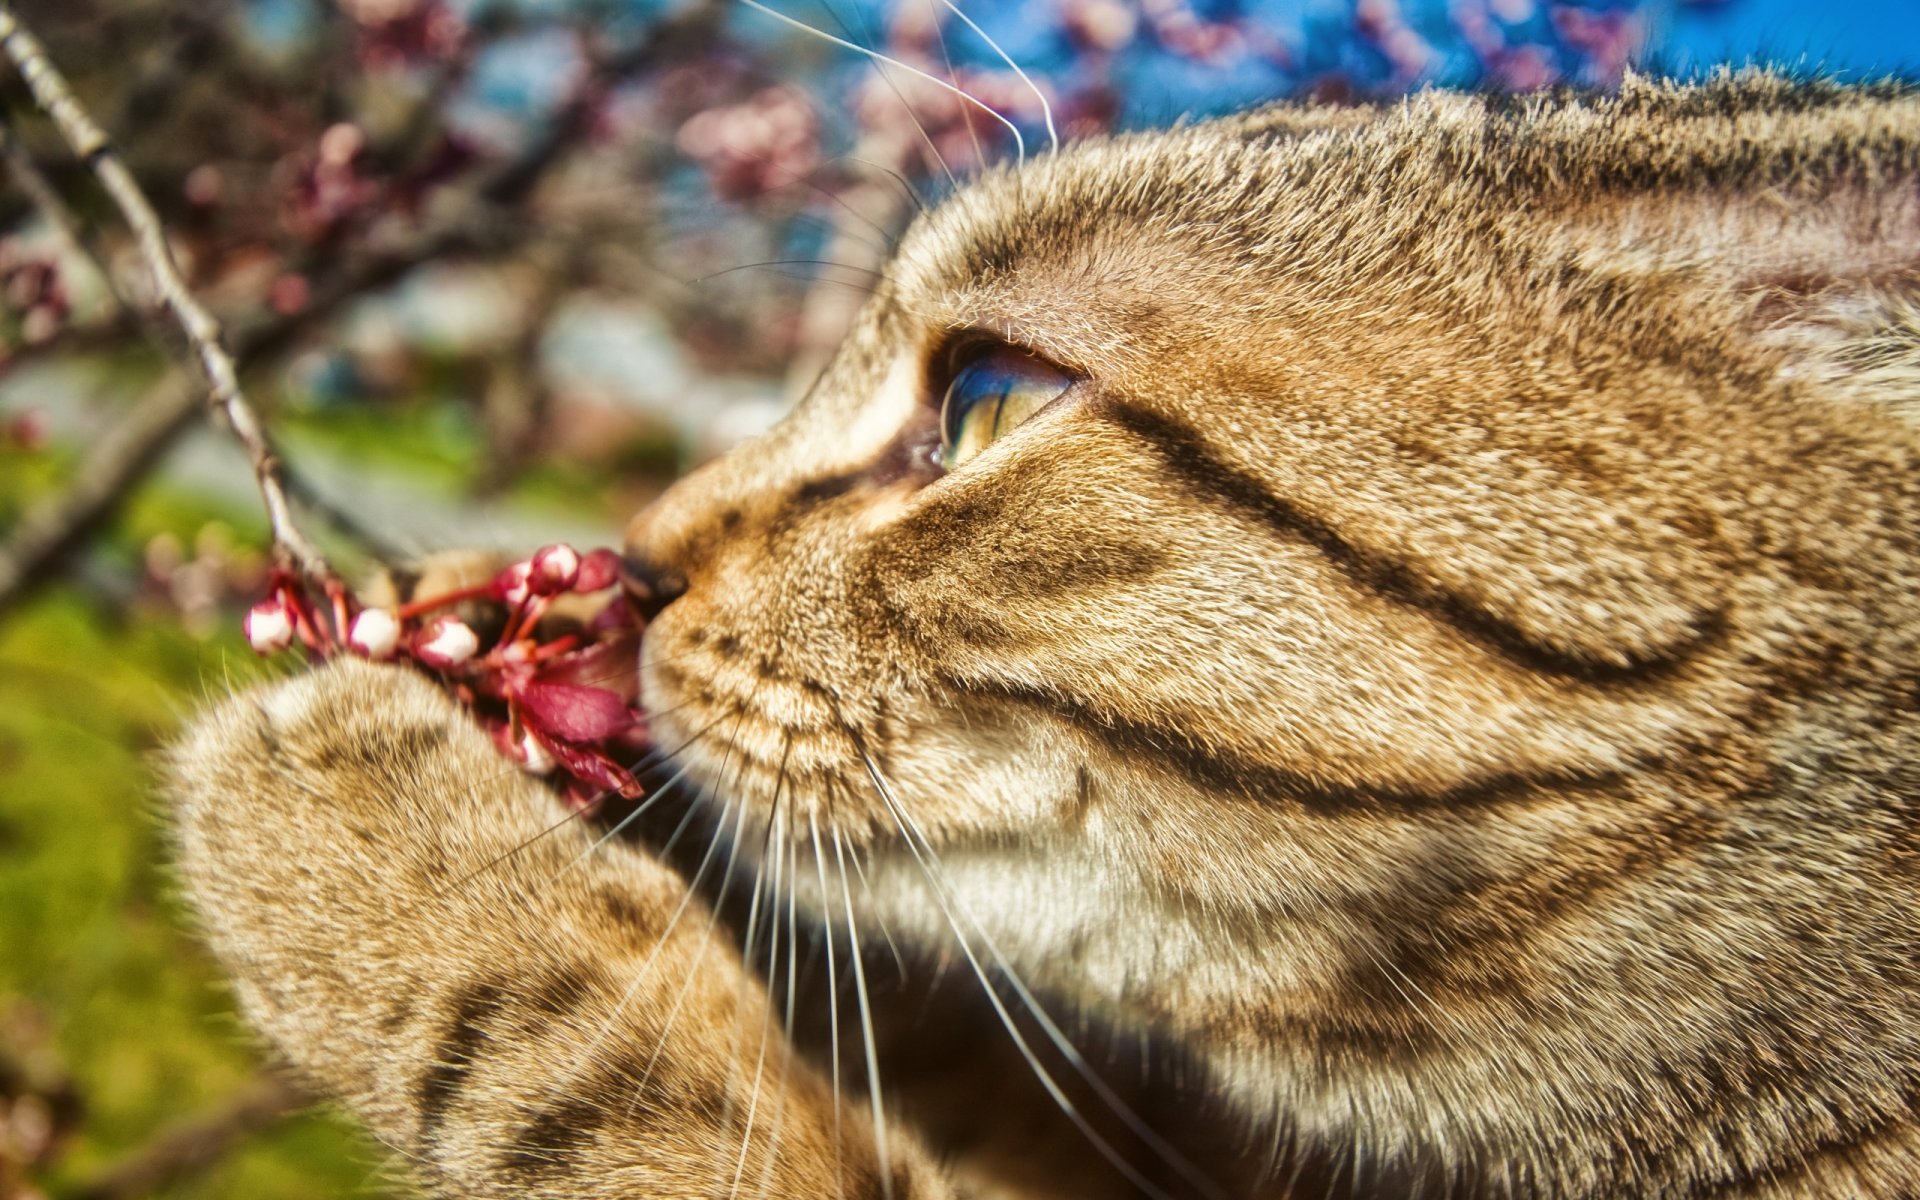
(1097, 197)
(1077, 247)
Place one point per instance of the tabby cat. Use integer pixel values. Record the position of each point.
(1408, 613)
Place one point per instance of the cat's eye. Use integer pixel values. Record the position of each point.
(989, 395)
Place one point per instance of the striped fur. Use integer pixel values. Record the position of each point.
(1448, 668)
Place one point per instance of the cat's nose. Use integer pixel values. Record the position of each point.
(649, 586)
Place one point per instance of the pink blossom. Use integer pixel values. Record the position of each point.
(599, 570)
(554, 569)
(514, 585)
(552, 702)
(269, 625)
(375, 633)
(446, 642)
(768, 141)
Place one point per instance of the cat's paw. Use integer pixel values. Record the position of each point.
(430, 937)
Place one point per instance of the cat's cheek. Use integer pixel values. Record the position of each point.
(966, 768)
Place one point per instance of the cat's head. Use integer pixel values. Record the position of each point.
(1325, 519)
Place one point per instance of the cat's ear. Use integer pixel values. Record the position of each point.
(1800, 202)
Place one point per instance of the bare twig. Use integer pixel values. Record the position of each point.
(57, 523)
(45, 198)
(92, 146)
(193, 1145)
(120, 459)
(116, 461)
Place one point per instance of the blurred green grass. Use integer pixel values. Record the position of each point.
(91, 935)
(96, 674)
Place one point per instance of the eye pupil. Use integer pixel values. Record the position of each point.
(990, 396)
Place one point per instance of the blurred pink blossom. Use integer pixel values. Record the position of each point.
(756, 146)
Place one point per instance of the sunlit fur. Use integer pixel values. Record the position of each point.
(1449, 666)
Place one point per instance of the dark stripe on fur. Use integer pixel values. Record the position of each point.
(1229, 774)
(1826, 1156)
(1190, 460)
(542, 1148)
(473, 1006)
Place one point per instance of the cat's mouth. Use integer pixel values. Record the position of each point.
(774, 752)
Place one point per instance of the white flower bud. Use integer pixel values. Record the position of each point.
(534, 756)
(374, 633)
(514, 585)
(269, 626)
(448, 643)
(556, 567)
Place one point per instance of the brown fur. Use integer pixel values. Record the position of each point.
(1448, 668)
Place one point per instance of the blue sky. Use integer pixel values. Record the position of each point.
(1850, 37)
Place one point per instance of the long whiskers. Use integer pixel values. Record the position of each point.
(899, 960)
(760, 891)
(686, 899)
(866, 1021)
(1019, 142)
(793, 960)
(770, 878)
(1046, 108)
(833, 1009)
(946, 58)
(919, 126)
(907, 189)
(948, 901)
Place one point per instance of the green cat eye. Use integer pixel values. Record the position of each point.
(989, 396)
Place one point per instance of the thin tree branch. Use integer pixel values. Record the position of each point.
(45, 198)
(203, 333)
(115, 464)
(59, 522)
(471, 222)
(194, 1145)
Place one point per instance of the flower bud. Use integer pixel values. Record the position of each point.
(447, 642)
(554, 569)
(374, 633)
(534, 756)
(514, 584)
(269, 625)
(599, 569)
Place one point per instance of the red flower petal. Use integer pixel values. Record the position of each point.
(554, 569)
(618, 614)
(599, 569)
(594, 767)
(572, 711)
(609, 666)
(514, 583)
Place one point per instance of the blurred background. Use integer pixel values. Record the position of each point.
(496, 271)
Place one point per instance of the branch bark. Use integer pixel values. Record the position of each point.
(91, 145)
(473, 221)
(56, 524)
(194, 1145)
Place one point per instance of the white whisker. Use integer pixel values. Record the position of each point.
(686, 899)
(948, 901)
(866, 1021)
(1019, 142)
(788, 877)
(719, 902)
(1046, 109)
(919, 126)
(946, 57)
(766, 1016)
(833, 1008)
(899, 960)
